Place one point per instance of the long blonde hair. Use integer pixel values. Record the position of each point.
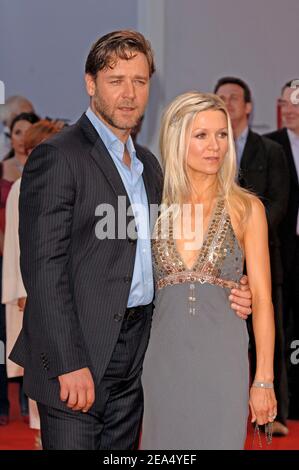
(175, 136)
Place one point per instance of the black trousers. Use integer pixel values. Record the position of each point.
(116, 425)
(291, 299)
(280, 358)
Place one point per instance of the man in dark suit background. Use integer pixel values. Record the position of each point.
(263, 170)
(89, 305)
(288, 138)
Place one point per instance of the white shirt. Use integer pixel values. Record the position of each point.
(294, 141)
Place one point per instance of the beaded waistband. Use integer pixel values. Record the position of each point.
(186, 276)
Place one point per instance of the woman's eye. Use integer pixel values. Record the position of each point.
(223, 134)
(201, 135)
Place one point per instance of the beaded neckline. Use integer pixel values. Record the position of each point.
(219, 243)
(211, 230)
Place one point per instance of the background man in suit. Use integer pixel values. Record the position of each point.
(288, 137)
(263, 170)
(89, 306)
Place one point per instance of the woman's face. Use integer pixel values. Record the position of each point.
(208, 143)
(17, 136)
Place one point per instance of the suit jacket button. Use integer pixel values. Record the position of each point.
(132, 241)
(127, 279)
(117, 317)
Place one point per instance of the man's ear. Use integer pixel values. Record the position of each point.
(90, 84)
(248, 108)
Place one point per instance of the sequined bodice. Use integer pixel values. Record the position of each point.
(220, 259)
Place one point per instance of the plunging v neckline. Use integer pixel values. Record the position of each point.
(207, 232)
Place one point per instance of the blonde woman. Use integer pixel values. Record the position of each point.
(196, 372)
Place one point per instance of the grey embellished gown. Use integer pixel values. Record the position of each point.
(196, 371)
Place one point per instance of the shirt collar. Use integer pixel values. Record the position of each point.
(109, 139)
(243, 136)
(294, 138)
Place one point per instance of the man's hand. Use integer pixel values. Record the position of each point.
(241, 299)
(22, 303)
(77, 388)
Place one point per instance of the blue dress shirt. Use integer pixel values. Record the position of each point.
(142, 286)
(240, 143)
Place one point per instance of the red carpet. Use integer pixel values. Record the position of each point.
(290, 442)
(18, 436)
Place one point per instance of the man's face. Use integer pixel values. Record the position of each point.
(119, 95)
(289, 111)
(233, 97)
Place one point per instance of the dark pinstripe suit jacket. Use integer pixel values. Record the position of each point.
(264, 171)
(77, 285)
(287, 229)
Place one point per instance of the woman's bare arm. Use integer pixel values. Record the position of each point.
(262, 401)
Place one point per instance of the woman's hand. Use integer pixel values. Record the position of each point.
(263, 405)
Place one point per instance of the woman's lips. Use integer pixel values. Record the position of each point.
(212, 159)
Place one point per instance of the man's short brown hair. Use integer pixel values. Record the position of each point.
(124, 44)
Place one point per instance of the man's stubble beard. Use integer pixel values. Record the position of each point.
(102, 109)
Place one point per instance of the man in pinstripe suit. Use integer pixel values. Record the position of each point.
(89, 307)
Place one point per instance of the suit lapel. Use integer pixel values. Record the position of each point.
(147, 178)
(251, 148)
(104, 161)
(150, 183)
(102, 158)
(285, 142)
